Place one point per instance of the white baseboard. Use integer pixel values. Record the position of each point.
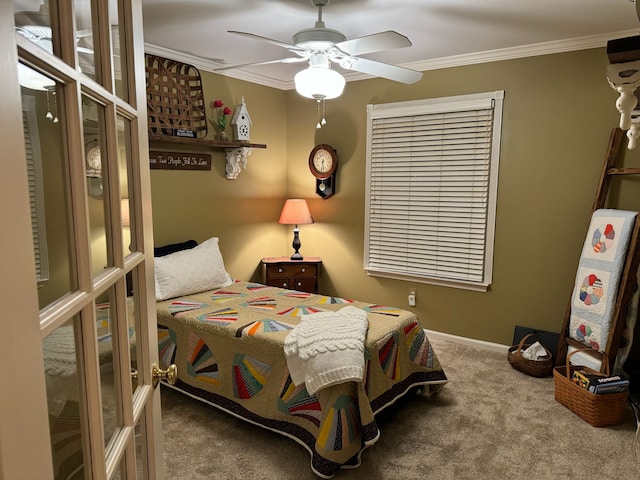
(472, 342)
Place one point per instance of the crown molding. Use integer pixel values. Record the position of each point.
(532, 50)
(522, 51)
(211, 66)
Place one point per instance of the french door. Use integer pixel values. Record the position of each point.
(79, 341)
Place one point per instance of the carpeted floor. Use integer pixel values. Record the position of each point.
(489, 422)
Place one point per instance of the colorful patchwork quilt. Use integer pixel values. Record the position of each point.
(596, 286)
(228, 346)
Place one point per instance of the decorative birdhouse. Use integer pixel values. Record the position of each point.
(241, 122)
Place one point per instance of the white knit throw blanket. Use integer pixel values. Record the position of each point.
(326, 348)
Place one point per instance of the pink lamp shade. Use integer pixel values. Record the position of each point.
(295, 212)
(124, 211)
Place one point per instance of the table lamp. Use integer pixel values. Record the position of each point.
(295, 212)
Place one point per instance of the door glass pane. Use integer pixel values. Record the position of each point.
(48, 185)
(63, 400)
(84, 38)
(33, 22)
(118, 53)
(93, 115)
(123, 130)
(106, 324)
(133, 322)
(140, 450)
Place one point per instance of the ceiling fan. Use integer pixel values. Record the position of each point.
(321, 46)
(36, 27)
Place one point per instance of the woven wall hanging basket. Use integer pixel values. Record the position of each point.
(175, 101)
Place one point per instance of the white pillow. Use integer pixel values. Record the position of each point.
(191, 271)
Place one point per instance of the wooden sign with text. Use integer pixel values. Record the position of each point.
(179, 161)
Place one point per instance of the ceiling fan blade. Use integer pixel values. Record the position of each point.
(374, 43)
(289, 46)
(379, 69)
(281, 60)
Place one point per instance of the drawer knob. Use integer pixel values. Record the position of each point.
(285, 284)
(280, 270)
(304, 270)
(299, 284)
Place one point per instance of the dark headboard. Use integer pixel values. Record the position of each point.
(173, 248)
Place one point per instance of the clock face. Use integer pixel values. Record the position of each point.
(323, 161)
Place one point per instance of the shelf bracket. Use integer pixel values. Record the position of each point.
(236, 161)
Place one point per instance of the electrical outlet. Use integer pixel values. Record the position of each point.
(412, 298)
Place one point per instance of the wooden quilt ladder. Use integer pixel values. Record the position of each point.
(628, 278)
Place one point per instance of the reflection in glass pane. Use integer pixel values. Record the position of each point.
(48, 184)
(118, 60)
(63, 401)
(32, 21)
(93, 115)
(106, 328)
(84, 38)
(123, 130)
(140, 451)
(132, 313)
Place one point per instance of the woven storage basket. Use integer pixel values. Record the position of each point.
(598, 410)
(535, 368)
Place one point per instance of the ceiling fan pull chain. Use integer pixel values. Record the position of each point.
(49, 115)
(323, 122)
(55, 107)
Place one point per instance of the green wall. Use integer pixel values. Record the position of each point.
(558, 114)
(242, 213)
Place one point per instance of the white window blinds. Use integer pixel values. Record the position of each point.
(432, 168)
(36, 189)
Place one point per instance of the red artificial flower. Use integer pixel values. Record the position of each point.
(226, 111)
(217, 104)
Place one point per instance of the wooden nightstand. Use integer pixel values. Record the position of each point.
(299, 275)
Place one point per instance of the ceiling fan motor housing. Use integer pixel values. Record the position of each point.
(318, 38)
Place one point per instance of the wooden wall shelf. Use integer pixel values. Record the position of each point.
(203, 142)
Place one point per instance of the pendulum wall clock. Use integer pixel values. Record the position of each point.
(323, 162)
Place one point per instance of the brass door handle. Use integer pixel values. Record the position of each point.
(170, 374)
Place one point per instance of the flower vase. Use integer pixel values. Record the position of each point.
(223, 136)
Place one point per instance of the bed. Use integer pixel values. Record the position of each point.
(229, 345)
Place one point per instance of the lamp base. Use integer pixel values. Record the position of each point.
(296, 244)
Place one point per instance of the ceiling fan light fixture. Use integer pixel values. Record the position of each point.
(319, 82)
(29, 78)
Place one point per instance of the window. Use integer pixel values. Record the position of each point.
(432, 170)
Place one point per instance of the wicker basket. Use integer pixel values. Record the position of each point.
(598, 410)
(175, 99)
(535, 368)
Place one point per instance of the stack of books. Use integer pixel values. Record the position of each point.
(599, 383)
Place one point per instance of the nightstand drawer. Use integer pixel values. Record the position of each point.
(305, 284)
(277, 270)
(299, 275)
(280, 282)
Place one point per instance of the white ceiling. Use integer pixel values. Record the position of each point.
(443, 32)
